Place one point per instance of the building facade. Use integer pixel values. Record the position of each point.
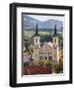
(47, 51)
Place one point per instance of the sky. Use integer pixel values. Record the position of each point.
(43, 18)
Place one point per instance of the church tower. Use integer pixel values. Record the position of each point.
(55, 47)
(37, 37)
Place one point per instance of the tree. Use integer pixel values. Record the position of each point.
(47, 63)
(59, 67)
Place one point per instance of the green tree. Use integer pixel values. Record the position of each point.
(59, 67)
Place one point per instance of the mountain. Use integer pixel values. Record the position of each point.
(30, 23)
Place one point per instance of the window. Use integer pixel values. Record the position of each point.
(55, 48)
(45, 57)
(50, 57)
(54, 40)
(41, 57)
(36, 40)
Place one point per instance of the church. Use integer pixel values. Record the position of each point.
(49, 50)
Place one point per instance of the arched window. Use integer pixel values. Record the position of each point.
(54, 40)
(36, 40)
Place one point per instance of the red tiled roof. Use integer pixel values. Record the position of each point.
(36, 70)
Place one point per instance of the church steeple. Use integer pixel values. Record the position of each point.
(55, 31)
(36, 33)
(55, 47)
(37, 37)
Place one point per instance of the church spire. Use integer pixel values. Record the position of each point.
(55, 31)
(36, 33)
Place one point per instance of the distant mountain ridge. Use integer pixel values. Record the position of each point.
(30, 23)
